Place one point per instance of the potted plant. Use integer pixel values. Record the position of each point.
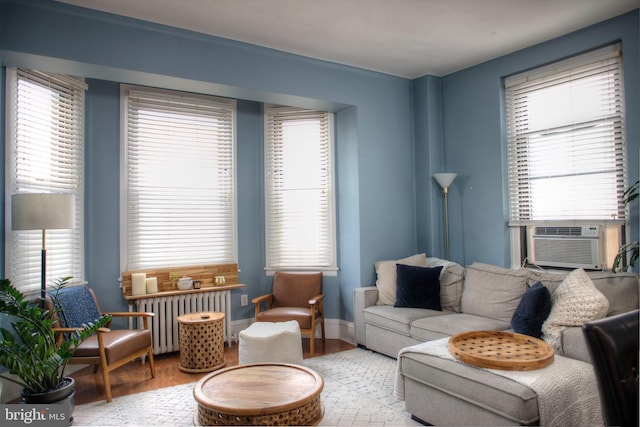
(628, 254)
(174, 277)
(31, 353)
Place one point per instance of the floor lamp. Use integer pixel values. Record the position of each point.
(445, 180)
(42, 212)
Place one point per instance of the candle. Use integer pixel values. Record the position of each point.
(152, 285)
(138, 283)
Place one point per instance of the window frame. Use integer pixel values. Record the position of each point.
(614, 226)
(521, 86)
(330, 268)
(66, 248)
(125, 265)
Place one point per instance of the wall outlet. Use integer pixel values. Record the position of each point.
(244, 300)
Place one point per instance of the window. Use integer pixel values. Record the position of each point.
(179, 197)
(566, 143)
(299, 190)
(45, 136)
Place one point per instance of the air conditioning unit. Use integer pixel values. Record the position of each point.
(565, 246)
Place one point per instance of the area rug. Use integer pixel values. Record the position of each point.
(358, 391)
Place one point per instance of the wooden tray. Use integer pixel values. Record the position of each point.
(501, 350)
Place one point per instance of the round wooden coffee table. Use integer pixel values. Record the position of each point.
(260, 394)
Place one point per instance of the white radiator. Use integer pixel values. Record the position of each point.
(164, 325)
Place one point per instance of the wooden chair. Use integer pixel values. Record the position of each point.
(295, 296)
(109, 349)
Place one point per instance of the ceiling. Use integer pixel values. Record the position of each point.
(407, 38)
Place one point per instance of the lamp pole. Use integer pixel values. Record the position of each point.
(445, 180)
(445, 190)
(43, 270)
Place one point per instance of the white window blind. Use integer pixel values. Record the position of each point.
(44, 154)
(566, 139)
(299, 189)
(180, 197)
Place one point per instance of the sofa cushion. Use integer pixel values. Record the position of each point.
(418, 287)
(464, 383)
(532, 311)
(451, 282)
(386, 276)
(550, 280)
(621, 289)
(428, 329)
(575, 302)
(492, 291)
(397, 319)
(574, 345)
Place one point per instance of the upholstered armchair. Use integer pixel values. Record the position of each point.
(295, 296)
(109, 349)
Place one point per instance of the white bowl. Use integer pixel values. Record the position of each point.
(185, 284)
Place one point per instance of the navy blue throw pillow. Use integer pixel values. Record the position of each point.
(418, 287)
(533, 310)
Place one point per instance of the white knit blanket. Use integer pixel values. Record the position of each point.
(567, 389)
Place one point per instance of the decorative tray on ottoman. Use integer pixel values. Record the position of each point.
(501, 350)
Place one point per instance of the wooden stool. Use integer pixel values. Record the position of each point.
(201, 342)
(260, 394)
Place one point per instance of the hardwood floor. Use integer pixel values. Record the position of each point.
(135, 378)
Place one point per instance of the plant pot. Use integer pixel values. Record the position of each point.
(62, 395)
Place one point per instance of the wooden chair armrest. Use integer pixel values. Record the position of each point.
(65, 330)
(316, 299)
(72, 330)
(130, 314)
(258, 300)
(145, 315)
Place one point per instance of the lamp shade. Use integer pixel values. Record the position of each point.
(445, 179)
(41, 211)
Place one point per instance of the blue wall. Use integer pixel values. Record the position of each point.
(474, 138)
(376, 216)
(392, 135)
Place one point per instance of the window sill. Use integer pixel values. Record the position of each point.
(327, 272)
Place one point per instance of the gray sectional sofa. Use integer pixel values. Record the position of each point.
(476, 297)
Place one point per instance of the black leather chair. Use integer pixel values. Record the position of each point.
(613, 346)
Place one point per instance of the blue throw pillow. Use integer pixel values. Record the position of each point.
(533, 310)
(418, 287)
(76, 306)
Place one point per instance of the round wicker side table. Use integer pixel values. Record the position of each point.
(201, 342)
(274, 394)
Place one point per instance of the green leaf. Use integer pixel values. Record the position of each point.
(28, 350)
